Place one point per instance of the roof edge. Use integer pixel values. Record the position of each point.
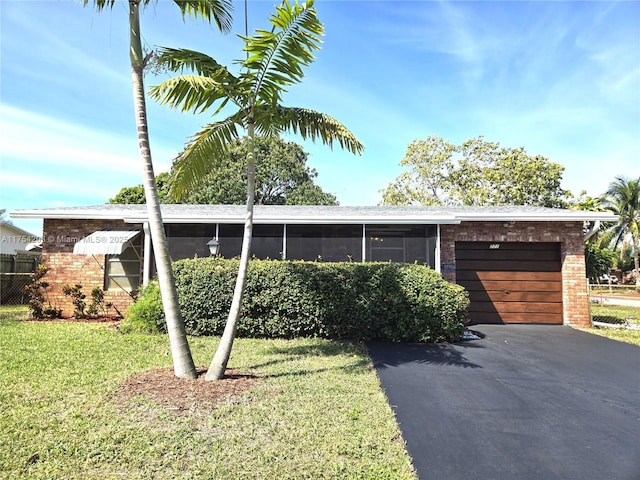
(561, 215)
(138, 214)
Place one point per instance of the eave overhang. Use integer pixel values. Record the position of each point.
(171, 214)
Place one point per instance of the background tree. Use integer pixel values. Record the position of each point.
(623, 198)
(219, 12)
(135, 195)
(282, 178)
(599, 261)
(599, 258)
(477, 172)
(274, 60)
(426, 182)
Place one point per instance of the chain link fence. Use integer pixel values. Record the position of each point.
(11, 288)
(15, 274)
(614, 306)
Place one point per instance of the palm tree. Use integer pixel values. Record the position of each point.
(220, 12)
(623, 198)
(274, 60)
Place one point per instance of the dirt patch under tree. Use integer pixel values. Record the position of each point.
(181, 395)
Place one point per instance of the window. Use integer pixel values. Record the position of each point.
(267, 241)
(330, 243)
(387, 246)
(124, 271)
(186, 241)
(402, 244)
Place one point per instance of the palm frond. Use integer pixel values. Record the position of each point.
(188, 93)
(201, 153)
(308, 124)
(623, 199)
(275, 59)
(99, 4)
(217, 10)
(220, 11)
(181, 59)
(198, 92)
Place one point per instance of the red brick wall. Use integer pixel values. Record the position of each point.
(568, 234)
(65, 268)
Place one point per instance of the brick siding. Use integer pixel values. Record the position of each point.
(569, 234)
(66, 268)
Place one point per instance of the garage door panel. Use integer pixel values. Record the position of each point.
(509, 265)
(517, 307)
(503, 296)
(528, 276)
(512, 286)
(510, 255)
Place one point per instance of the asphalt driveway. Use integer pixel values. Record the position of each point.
(526, 402)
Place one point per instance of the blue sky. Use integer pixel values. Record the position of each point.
(560, 78)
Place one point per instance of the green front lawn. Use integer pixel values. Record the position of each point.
(616, 314)
(627, 336)
(316, 411)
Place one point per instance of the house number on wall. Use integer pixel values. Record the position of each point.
(494, 246)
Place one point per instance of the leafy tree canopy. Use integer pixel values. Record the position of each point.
(477, 172)
(598, 261)
(282, 178)
(135, 195)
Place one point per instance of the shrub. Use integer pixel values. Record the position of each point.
(361, 301)
(146, 315)
(97, 305)
(81, 310)
(77, 298)
(36, 292)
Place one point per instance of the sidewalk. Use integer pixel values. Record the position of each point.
(605, 299)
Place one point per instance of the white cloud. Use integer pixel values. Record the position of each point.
(30, 185)
(42, 140)
(47, 162)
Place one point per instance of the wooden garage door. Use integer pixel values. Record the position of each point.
(511, 282)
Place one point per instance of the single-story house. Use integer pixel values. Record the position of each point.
(15, 240)
(519, 264)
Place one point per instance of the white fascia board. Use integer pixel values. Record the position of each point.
(309, 220)
(140, 216)
(578, 216)
(68, 214)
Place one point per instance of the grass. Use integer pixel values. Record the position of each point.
(615, 313)
(318, 411)
(627, 336)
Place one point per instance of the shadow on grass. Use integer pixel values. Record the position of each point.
(295, 353)
(609, 319)
(387, 355)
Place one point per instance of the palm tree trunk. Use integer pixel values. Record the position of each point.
(182, 360)
(636, 260)
(223, 352)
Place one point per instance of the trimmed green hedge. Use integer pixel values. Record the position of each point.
(286, 299)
